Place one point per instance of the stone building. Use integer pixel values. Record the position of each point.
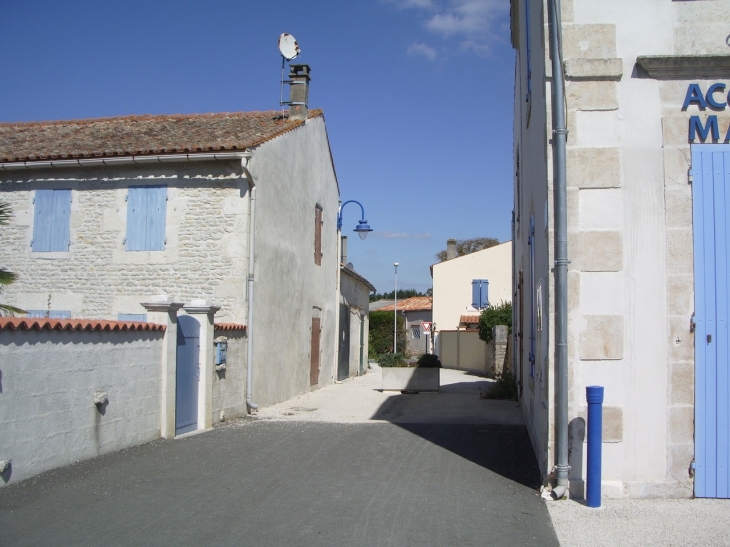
(646, 96)
(110, 212)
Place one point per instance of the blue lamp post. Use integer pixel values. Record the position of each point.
(362, 228)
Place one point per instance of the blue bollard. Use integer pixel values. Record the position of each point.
(594, 396)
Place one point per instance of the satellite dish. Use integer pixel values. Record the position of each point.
(288, 46)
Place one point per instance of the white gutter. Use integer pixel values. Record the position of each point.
(125, 160)
(250, 281)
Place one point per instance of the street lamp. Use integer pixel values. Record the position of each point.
(395, 311)
(362, 228)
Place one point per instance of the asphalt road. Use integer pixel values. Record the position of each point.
(270, 483)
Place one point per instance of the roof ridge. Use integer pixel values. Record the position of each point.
(44, 323)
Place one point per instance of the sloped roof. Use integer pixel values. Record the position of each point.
(23, 323)
(141, 135)
(414, 303)
(358, 277)
(469, 319)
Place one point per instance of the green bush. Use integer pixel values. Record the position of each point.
(501, 314)
(392, 360)
(380, 339)
(505, 388)
(429, 360)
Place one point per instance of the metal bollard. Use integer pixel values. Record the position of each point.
(594, 396)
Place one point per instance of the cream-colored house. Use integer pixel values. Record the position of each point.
(454, 287)
(646, 89)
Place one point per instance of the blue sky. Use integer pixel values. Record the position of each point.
(417, 96)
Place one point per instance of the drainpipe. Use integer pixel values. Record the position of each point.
(560, 137)
(249, 328)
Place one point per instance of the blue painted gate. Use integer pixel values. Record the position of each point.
(711, 224)
(186, 385)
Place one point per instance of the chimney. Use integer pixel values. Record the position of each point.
(450, 249)
(298, 92)
(343, 260)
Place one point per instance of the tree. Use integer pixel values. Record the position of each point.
(491, 316)
(468, 246)
(402, 294)
(6, 276)
(381, 333)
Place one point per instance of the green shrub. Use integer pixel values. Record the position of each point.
(505, 388)
(501, 314)
(380, 339)
(429, 360)
(392, 360)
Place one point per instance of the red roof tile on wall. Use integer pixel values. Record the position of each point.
(141, 135)
(23, 323)
(469, 319)
(229, 326)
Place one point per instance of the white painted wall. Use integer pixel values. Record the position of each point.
(356, 296)
(229, 386)
(48, 378)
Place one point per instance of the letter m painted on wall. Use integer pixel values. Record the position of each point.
(695, 126)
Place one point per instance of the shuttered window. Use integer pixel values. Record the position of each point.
(146, 210)
(480, 293)
(318, 235)
(50, 314)
(51, 221)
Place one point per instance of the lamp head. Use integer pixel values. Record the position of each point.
(363, 228)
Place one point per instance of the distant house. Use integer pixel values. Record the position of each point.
(354, 323)
(109, 212)
(416, 310)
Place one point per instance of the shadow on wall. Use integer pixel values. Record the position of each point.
(459, 421)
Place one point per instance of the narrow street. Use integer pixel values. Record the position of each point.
(344, 465)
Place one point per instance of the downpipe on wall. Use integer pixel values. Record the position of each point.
(560, 137)
(250, 285)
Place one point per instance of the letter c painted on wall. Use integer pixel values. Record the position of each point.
(714, 88)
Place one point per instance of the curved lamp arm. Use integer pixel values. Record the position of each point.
(363, 227)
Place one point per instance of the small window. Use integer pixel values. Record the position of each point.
(318, 235)
(146, 209)
(50, 314)
(51, 221)
(134, 317)
(480, 293)
(416, 333)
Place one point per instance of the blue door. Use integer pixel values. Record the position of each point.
(711, 225)
(186, 385)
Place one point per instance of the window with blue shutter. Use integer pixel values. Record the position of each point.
(480, 293)
(50, 314)
(146, 210)
(51, 221)
(134, 317)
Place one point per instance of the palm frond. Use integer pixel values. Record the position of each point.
(10, 310)
(6, 277)
(5, 212)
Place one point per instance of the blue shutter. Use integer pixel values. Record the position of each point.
(135, 317)
(146, 210)
(480, 293)
(156, 209)
(136, 212)
(51, 221)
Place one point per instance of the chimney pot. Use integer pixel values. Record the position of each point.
(450, 249)
(298, 92)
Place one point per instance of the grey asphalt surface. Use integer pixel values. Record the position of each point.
(267, 481)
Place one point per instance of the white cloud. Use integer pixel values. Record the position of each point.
(422, 49)
(401, 235)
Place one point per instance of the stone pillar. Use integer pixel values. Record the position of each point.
(204, 312)
(499, 340)
(163, 310)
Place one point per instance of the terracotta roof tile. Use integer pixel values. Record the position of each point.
(141, 135)
(469, 319)
(23, 323)
(415, 303)
(229, 326)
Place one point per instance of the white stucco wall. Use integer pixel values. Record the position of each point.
(48, 378)
(294, 173)
(629, 240)
(452, 283)
(356, 296)
(229, 386)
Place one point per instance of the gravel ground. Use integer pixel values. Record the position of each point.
(642, 522)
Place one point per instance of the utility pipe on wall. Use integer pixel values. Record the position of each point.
(250, 281)
(594, 398)
(560, 137)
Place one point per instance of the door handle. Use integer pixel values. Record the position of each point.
(709, 338)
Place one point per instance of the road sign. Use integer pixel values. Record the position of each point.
(426, 326)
